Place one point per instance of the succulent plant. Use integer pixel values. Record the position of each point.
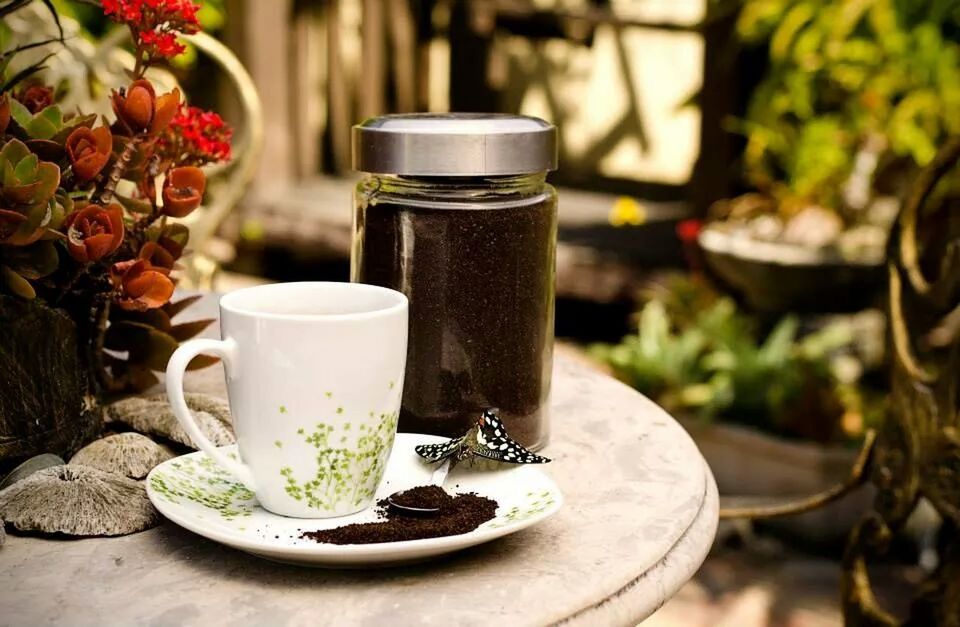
(68, 237)
(27, 189)
(89, 150)
(183, 191)
(697, 353)
(94, 232)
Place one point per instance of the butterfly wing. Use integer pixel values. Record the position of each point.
(493, 442)
(437, 452)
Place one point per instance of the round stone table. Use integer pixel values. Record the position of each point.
(603, 559)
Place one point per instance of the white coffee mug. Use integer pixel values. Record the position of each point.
(314, 376)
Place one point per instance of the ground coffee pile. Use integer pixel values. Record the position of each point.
(458, 514)
(480, 279)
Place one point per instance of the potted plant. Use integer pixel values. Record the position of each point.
(774, 408)
(856, 98)
(90, 233)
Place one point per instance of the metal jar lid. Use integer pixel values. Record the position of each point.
(454, 144)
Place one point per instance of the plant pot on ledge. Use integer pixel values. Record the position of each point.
(782, 277)
(47, 403)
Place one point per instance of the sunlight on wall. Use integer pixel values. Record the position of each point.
(667, 69)
(588, 85)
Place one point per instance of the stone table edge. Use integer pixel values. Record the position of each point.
(630, 604)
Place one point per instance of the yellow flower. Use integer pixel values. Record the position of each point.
(627, 211)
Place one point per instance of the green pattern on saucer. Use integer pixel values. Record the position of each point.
(201, 480)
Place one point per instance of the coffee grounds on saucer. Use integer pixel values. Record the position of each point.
(460, 513)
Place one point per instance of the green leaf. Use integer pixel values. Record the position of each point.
(7, 178)
(791, 24)
(156, 318)
(20, 114)
(177, 232)
(778, 345)
(49, 176)
(23, 172)
(61, 206)
(34, 261)
(202, 361)
(73, 124)
(17, 284)
(134, 205)
(45, 124)
(15, 150)
(144, 344)
(187, 330)
(173, 308)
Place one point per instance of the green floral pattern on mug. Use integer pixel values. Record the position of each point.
(202, 481)
(345, 474)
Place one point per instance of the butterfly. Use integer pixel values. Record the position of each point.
(486, 438)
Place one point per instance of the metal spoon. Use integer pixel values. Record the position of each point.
(437, 478)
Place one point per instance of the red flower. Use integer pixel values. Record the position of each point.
(179, 15)
(94, 232)
(35, 98)
(155, 24)
(689, 230)
(89, 151)
(139, 285)
(183, 191)
(197, 137)
(161, 44)
(139, 108)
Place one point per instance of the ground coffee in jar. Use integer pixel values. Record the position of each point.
(455, 212)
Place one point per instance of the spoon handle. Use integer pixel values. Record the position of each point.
(440, 474)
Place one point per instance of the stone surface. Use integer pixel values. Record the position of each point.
(129, 454)
(152, 415)
(590, 564)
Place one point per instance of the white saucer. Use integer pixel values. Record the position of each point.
(195, 493)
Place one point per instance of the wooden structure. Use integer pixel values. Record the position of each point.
(321, 67)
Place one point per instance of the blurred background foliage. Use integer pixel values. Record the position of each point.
(698, 354)
(212, 16)
(847, 76)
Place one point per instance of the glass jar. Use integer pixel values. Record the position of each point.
(471, 241)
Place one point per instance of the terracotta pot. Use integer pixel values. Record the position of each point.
(46, 399)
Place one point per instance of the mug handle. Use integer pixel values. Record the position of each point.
(226, 350)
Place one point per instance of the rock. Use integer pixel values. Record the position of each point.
(78, 501)
(813, 227)
(766, 227)
(152, 416)
(128, 454)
